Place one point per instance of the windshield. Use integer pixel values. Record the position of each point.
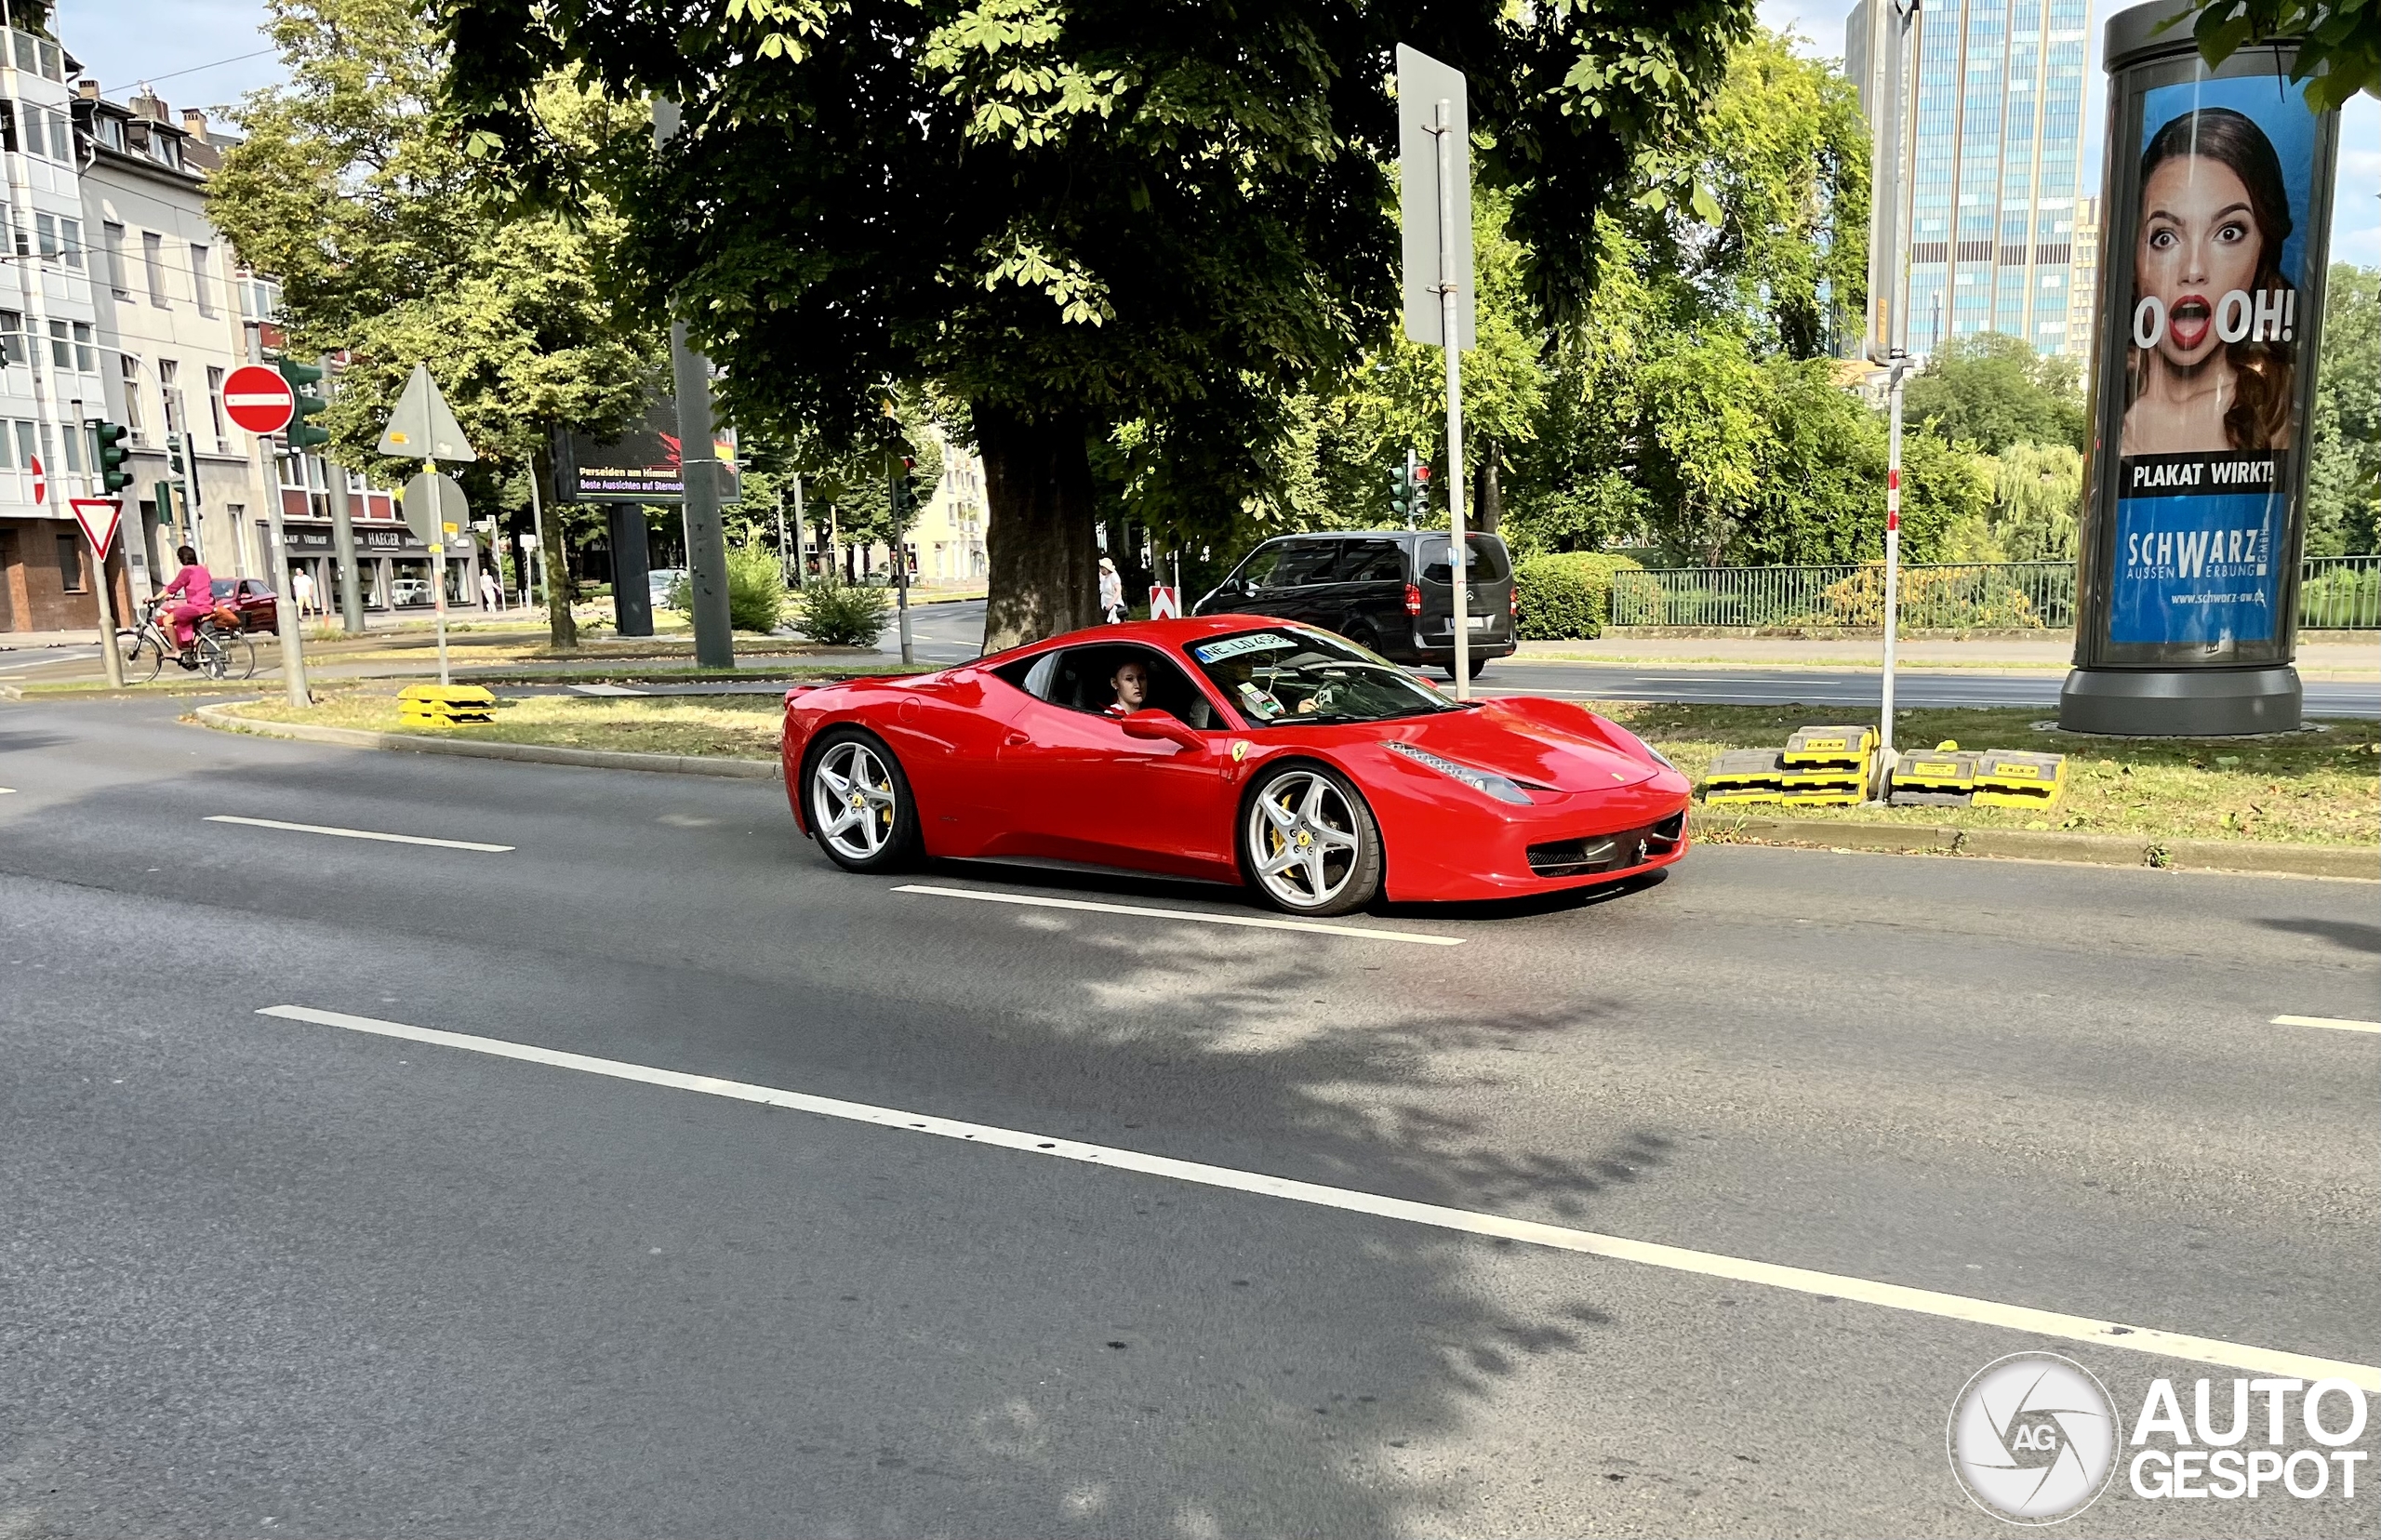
(1294, 675)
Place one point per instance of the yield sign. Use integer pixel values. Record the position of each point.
(259, 399)
(1165, 603)
(98, 516)
(421, 428)
(41, 480)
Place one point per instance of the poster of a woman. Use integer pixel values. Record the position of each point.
(2214, 310)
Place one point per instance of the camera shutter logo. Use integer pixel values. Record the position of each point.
(2033, 1439)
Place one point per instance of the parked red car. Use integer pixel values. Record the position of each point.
(1246, 748)
(258, 606)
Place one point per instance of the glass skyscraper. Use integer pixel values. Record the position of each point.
(1999, 102)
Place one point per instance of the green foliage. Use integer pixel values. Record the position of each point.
(755, 590)
(1071, 215)
(1567, 596)
(1995, 390)
(841, 614)
(393, 245)
(2343, 479)
(2340, 56)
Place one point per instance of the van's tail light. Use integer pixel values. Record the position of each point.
(1412, 600)
(1513, 601)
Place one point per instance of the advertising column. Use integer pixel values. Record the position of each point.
(2217, 209)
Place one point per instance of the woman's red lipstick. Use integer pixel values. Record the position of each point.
(2188, 319)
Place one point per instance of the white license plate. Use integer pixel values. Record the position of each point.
(1479, 622)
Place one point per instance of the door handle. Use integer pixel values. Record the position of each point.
(1017, 739)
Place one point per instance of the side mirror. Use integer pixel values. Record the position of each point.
(1154, 724)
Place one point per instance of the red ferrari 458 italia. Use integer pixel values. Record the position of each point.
(1232, 748)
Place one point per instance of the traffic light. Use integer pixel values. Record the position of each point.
(302, 379)
(904, 491)
(173, 455)
(1401, 494)
(114, 477)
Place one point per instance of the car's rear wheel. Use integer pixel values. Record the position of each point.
(1479, 665)
(1308, 842)
(860, 809)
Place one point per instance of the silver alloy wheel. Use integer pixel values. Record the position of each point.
(1303, 840)
(852, 800)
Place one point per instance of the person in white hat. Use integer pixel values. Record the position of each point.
(1112, 593)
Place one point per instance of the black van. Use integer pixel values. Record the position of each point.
(1383, 588)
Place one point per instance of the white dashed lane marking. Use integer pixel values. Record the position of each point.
(1895, 1296)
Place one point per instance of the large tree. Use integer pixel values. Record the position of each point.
(394, 248)
(1069, 214)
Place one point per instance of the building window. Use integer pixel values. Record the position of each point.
(202, 281)
(70, 560)
(46, 234)
(153, 258)
(12, 336)
(23, 460)
(109, 131)
(87, 354)
(70, 238)
(112, 260)
(74, 430)
(215, 403)
(132, 396)
(61, 347)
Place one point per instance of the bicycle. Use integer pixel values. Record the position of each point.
(222, 652)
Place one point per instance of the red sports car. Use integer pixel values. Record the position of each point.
(1232, 748)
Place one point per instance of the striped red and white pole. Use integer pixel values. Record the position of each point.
(1893, 499)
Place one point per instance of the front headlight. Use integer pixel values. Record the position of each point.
(1499, 787)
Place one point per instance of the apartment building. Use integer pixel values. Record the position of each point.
(173, 314)
(1999, 150)
(51, 374)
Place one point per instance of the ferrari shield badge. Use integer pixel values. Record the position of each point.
(1239, 750)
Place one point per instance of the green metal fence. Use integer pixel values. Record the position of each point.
(2334, 593)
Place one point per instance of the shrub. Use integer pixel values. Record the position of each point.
(841, 614)
(1566, 597)
(755, 592)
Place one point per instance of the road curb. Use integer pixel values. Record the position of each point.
(2029, 845)
(224, 719)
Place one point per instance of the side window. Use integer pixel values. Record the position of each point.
(1258, 571)
(1031, 674)
(1086, 680)
(1306, 564)
(1374, 562)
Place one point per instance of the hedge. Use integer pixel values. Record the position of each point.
(1566, 597)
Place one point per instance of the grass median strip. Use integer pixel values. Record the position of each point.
(713, 726)
(2300, 788)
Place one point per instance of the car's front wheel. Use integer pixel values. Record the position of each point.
(860, 809)
(1308, 842)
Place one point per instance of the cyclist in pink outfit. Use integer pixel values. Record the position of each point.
(194, 586)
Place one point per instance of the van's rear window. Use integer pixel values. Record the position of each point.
(1489, 563)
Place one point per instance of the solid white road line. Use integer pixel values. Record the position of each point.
(603, 690)
(1982, 1312)
(355, 834)
(2335, 1023)
(1254, 921)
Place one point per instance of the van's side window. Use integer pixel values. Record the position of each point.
(1307, 562)
(1374, 562)
(1258, 571)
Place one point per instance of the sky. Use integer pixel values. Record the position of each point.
(183, 46)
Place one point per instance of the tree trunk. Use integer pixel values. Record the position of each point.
(561, 631)
(1487, 501)
(1043, 558)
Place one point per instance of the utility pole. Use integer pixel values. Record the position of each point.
(351, 570)
(801, 537)
(900, 499)
(699, 465)
(1888, 341)
(1459, 565)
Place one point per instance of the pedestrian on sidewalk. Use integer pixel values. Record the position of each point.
(301, 587)
(1112, 593)
(491, 592)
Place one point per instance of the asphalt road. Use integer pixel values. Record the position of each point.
(260, 1274)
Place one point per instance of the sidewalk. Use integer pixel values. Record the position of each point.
(2053, 652)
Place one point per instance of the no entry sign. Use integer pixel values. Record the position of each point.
(259, 399)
